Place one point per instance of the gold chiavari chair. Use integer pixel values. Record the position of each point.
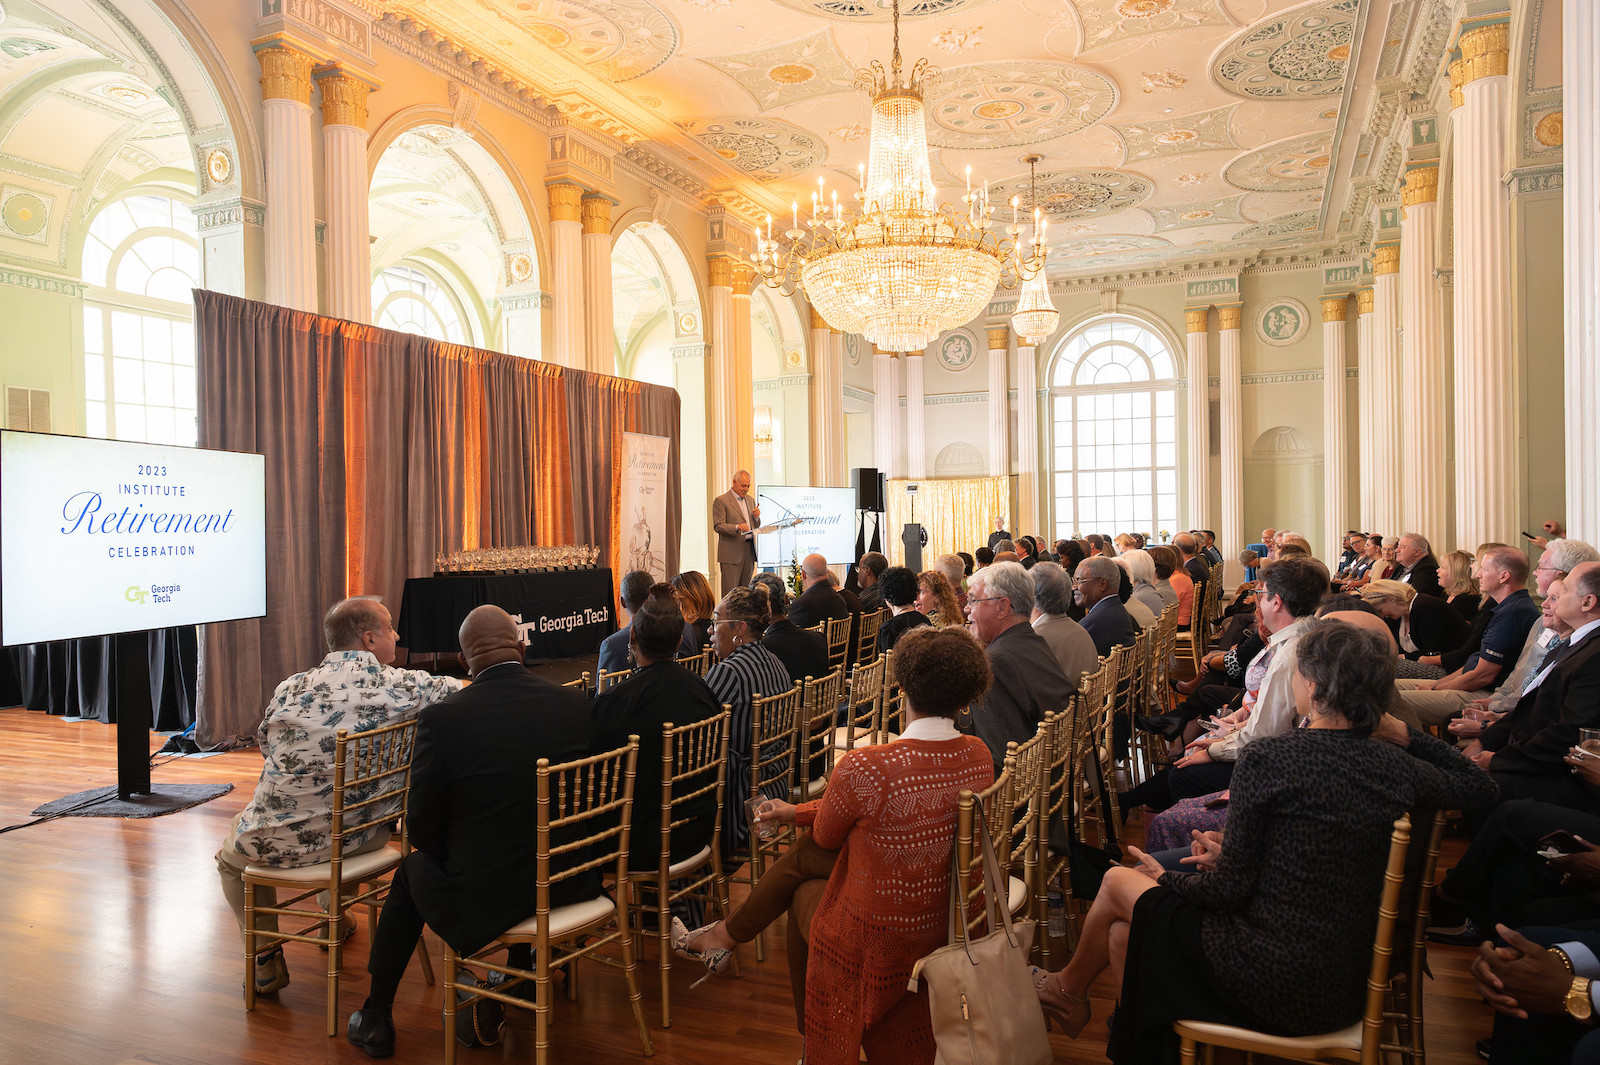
(813, 732)
(1026, 763)
(697, 664)
(863, 707)
(1127, 689)
(1404, 1009)
(892, 711)
(606, 681)
(593, 795)
(1140, 759)
(371, 779)
(584, 684)
(995, 802)
(837, 633)
(772, 765)
(694, 763)
(1361, 1042)
(867, 640)
(1052, 866)
(1102, 726)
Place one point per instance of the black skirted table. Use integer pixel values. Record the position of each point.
(562, 613)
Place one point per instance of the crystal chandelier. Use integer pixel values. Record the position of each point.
(899, 268)
(1036, 317)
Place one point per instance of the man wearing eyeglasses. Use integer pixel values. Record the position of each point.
(1105, 619)
(1028, 684)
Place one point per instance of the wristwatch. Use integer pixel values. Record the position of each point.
(1579, 1006)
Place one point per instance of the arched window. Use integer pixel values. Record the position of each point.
(141, 260)
(411, 301)
(1113, 402)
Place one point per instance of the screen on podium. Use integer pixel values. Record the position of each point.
(105, 536)
(827, 526)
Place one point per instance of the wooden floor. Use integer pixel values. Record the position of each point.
(116, 947)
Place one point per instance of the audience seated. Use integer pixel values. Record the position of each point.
(868, 570)
(744, 670)
(1420, 568)
(289, 819)
(1027, 683)
(982, 557)
(803, 653)
(901, 593)
(693, 593)
(955, 573)
(1188, 550)
(614, 648)
(1073, 647)
(867, 888)
(1165, 560)
(1460, 584)
(473, 795)
(1423, 624)
(938, 601)
(820, 601)
(1260, 934)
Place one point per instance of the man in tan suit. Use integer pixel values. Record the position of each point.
(734, 516)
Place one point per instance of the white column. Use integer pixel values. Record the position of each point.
(916, 424)
(1383, 425)
(841, 459)
(599, 333)
(1426, 498)
(1335, 427)
(1487, 382)
(827, 406)
(1230, 527)
(885, 400)
(720, 399)
(1027, 441)
(1580, 198)
(1197, 368)
(1364, 400)
(519, 321)
(999, 404)
(344, 166)
(291, 235)
(566, 277)
(744, 391)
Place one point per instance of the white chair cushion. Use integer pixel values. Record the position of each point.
(564, 919)
(841, 737)
(813, 789)
(1016, 895)
(356, 867)
(690, 862)
(1346, 1039)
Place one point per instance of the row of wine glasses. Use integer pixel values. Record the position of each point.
(516, 559)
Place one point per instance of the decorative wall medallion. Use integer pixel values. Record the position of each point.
(879, 10)
(957, 350)
(993, 105)
(792, 359)
(790, 72)
(1108, 22)
(1301, 54)
(688, 324)
(1542, 131)
(957, 41)
(1292, 165)
(521, 267)
(1164, 81)
(219, 166)
(1283, 322)
(1077, 193)
(764, 147)
(1548, 131)
(852, 348)
(1178, 136)
(622, 39)
(25, 214)
(1204, 213)
(1282, 225)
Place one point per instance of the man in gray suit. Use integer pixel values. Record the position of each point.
(734, 516)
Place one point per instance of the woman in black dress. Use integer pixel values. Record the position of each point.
(1274, 930)
(900, 596)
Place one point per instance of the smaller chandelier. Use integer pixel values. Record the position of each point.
(899, 268)
(1036, 317)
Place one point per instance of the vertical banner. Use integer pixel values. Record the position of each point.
(644, 504)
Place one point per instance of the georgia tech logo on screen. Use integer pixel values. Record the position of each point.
(156, 593)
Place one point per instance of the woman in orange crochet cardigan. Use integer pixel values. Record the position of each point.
(868, 888)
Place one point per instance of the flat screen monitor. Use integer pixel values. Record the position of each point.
(827, 526)
(107, 536)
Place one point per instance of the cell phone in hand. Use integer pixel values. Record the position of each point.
(1211, 724)
(1562, 842)
(1529, 535)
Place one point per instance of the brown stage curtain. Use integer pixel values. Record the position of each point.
(384, 449)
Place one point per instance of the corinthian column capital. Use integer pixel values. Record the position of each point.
(285, 73)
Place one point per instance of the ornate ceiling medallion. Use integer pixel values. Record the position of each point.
(1298, 164)
(995, 105)
(1301, 54)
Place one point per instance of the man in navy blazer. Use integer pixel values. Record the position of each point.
(1105, 619)
(471, 814)
(614, 648)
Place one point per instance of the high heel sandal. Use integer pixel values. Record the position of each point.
(716, 960)
(1068, 1011)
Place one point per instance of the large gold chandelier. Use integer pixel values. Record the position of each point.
(899, 268)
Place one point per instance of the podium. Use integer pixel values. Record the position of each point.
(912, 538)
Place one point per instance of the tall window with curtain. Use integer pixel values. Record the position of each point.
(141, 262)
(1113, 404)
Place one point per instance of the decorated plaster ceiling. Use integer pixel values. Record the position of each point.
(1214, 123)
(1292, 165)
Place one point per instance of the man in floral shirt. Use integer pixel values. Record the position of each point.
(289, 819)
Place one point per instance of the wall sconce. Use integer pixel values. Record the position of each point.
(763, 423)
